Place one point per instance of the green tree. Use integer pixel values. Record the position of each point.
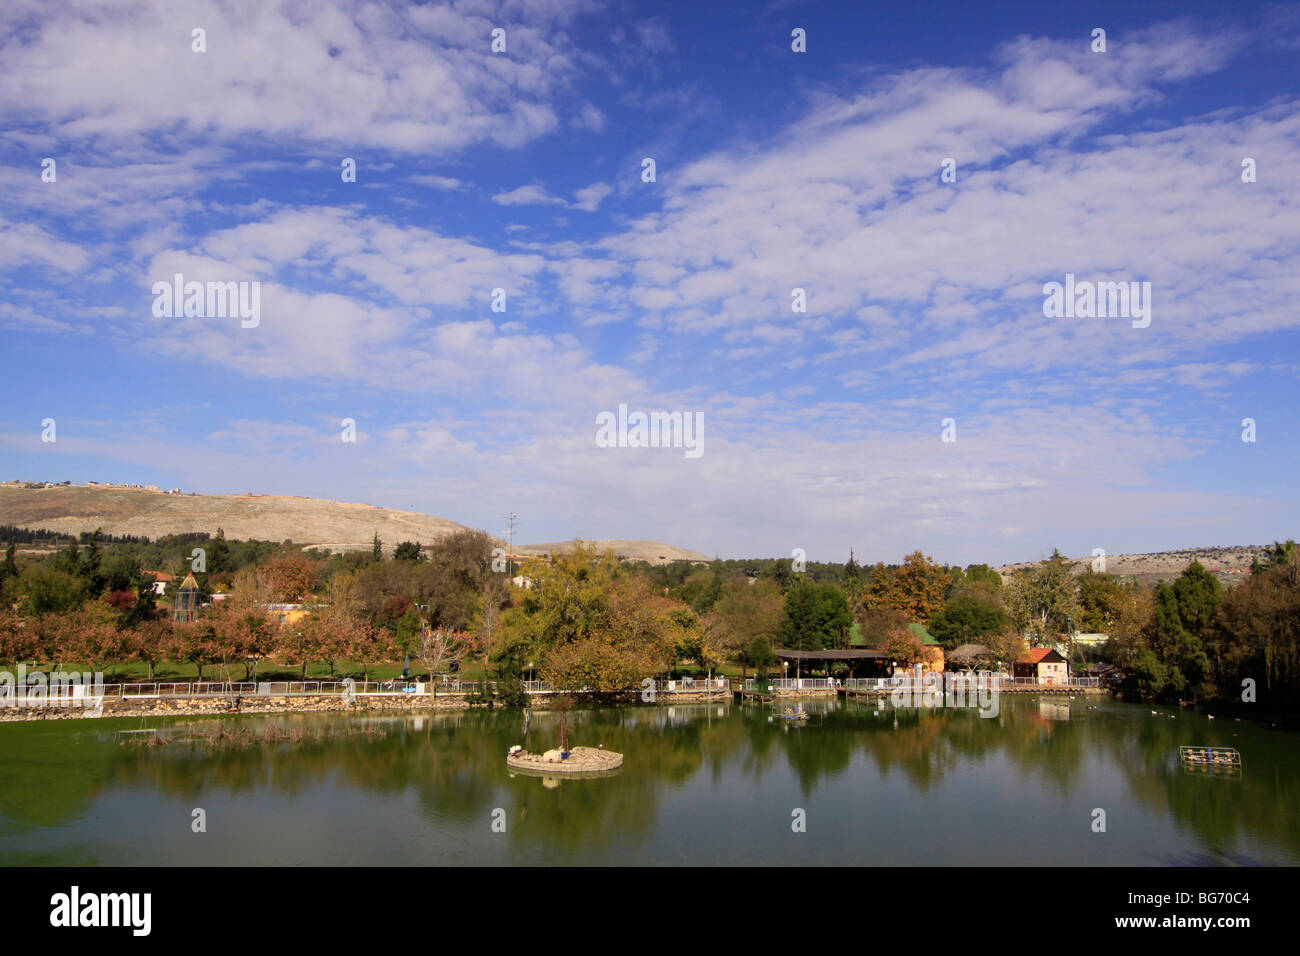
(759, 655)
(567, 602)
(817, 616)
(967, 618)
(1101, 599)
(781, 573)
(218, 554)
(453, 583)
(982, 576)
(9, 568)
(1174, 634)
(1198, 593)
(1043, 598)
(90, 567)
(47, 589)
(712, 590)
(408, 551)
(853, 581)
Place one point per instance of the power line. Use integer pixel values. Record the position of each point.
(511, 518)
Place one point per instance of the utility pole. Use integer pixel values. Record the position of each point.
(511, 518)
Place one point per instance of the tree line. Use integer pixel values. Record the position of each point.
(588, 619)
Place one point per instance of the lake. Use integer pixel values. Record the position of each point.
(701, 784)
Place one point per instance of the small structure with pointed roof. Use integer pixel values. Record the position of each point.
(185, 606)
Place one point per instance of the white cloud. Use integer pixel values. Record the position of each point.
(532, 195)
(408, 79)
(590, 197)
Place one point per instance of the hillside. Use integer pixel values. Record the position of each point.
(627, 548)
(116, 509)
(336, 525)
(1228, 563)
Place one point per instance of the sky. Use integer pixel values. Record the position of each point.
(921, 400)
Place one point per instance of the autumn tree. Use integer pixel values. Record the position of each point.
(922, 584)
(749, 610)
(18, 640)
(876, 623)
(364, 643)
(89, 634)
(289, 578)
(881, 591)
(903, 647)
(242, 626)
(149, 641)
(297, 644)
(193, 642)
(1005, 647)
(1256, 635)
(916, 588)
(686, 635)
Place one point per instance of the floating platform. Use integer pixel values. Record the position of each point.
(1215, 761)
(581, 761)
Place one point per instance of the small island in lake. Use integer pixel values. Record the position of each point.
(579, 760)
(575, 761)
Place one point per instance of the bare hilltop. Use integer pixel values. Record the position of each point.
(310, 522)
(1226, 562)
(631, 549)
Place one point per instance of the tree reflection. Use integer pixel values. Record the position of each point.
(453, 763)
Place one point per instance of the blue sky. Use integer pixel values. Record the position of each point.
(775, 170)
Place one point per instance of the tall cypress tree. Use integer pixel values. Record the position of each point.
(9, 568)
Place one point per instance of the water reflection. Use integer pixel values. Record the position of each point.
(689, 768)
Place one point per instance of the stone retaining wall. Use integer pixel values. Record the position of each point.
(167, 706)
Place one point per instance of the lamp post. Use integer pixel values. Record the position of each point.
(1069, 621)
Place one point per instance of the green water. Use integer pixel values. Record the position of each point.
(716, 784)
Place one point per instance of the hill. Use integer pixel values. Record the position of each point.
(630, 549)
(1228, 563)
(316, 522)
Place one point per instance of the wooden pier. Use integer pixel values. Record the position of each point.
(1071, 689)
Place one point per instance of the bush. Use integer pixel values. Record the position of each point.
(511, 693)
